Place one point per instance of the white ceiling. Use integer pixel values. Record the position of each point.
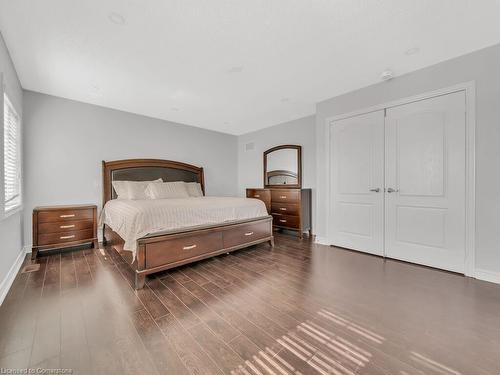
(232, 65)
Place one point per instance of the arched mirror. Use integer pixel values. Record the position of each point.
(283, 167)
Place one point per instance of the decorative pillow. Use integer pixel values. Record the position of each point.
(194, 189)
(167, 190)
(133, 189)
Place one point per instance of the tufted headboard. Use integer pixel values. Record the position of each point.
(147, 170)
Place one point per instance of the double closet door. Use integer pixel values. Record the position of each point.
(398, 182)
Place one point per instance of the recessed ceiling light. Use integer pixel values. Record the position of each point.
(116, 18)
(412, 51)
(175, 109)
(235, 69)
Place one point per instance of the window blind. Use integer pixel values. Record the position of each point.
(12, 163)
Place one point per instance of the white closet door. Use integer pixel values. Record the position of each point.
(357, 173)
(425, 165)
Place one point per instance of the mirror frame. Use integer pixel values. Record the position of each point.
(298, 185)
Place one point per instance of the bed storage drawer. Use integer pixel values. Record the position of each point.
(246, 233)
(181, 248)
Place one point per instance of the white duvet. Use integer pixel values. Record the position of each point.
(133, 219)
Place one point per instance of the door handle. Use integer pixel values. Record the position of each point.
(391, 190)
(376, 190)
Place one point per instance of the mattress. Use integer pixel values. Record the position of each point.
(133, 219)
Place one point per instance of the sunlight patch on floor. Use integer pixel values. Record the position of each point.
(433, 365)
(314, 346)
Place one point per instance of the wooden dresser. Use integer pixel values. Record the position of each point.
(57, 227)
(290, 208)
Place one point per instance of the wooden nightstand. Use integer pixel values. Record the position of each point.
(56, 227)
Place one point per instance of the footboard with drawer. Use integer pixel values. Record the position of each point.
(162, 251)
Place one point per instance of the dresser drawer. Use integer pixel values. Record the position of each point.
(70, 236)
(285, 208)
(263, 194)
(64, 226)
(286, 221)
(259, 194)
(246, 233)
(177, 249)
(65, 215)
(285, 196)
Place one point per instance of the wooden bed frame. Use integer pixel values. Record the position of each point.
(169, 249)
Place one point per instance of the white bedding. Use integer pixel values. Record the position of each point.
(133, 219)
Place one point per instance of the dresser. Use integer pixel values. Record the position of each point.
(290, 208)
(57, 227)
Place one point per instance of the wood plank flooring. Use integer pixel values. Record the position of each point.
(298, 309)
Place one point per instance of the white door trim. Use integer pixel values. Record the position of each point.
(470, 165)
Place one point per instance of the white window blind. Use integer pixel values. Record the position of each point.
(12, 155)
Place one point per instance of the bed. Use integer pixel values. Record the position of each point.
(157, 235)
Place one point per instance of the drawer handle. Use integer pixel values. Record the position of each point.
(67, 226)
(283, 196)
(67, 237)
(282, 208)
(188, 247)
(68, 215)
(248, 233)
(256, 196)
(283, 220)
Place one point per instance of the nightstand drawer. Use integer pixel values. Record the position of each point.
(57, 238)
(64, 226)
(65, 215)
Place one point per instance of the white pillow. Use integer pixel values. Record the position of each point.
(194, 189)
(167, 190)
(133, 189)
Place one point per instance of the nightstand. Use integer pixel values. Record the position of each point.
(56, 227)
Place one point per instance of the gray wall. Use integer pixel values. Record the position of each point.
(11, 226)
(65, 142)
(483, 67)
(299, 132)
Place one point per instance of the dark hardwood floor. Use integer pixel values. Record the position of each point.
(300, 308)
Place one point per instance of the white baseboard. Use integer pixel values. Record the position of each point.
(492, 277)
(27, 249)
(11, 275)
(321, 240)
